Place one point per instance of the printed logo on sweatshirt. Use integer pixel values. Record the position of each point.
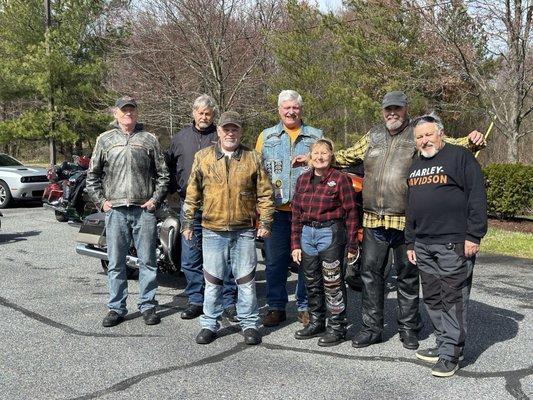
(425, 176)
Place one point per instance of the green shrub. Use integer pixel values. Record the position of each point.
(509, 189)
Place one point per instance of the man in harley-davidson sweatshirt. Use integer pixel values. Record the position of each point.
(446, 218)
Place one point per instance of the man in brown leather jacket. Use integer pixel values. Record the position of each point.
(228, 181)
(388, 150)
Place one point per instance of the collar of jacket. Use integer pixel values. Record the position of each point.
(139, 126)
(324, 177)
(210, 129)
(236, 154)
(280, 130)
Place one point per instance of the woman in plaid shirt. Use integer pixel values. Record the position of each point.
(324, 224)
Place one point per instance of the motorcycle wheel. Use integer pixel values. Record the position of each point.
(131, 273)
(61, 217)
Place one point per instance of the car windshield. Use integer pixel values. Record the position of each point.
(7, 161)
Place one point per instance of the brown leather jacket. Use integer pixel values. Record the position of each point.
(387, 162)
(230, 191)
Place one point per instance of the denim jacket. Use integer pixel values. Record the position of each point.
(127, 169)
(278, 151)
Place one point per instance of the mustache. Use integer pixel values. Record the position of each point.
(291, 115)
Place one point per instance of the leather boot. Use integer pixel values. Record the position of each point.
(331, 338)
(312, 330)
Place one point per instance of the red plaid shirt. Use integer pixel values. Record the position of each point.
(333, 197)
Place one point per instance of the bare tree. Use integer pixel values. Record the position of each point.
(180, 49)
(490, 43)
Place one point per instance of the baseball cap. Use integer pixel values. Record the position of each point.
(230, 117)
(125, 101)
(395, 98)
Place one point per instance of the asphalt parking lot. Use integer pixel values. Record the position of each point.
(53, 346)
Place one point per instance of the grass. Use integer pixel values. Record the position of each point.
(516, 244)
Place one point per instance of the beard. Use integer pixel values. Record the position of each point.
(203, 125)
(393, 125)
(429, 151)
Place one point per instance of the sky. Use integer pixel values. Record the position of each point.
(329, 5)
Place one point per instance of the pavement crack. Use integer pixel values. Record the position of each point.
(512, 377)
(58, 325)
(127, 383)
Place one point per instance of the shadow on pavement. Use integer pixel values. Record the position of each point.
(6, 238)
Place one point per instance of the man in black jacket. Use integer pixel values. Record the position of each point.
(446, 218)
(184, 145)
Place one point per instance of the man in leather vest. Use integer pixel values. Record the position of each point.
(388, 150)
(284, 148)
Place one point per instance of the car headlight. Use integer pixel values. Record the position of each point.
(38, 178)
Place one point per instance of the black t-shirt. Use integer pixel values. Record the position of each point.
(446, 200)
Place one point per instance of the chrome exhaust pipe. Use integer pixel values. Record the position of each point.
(85, 250)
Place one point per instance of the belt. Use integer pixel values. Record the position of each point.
(322, 224)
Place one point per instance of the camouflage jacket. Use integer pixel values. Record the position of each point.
(230, 190)
(127, 169)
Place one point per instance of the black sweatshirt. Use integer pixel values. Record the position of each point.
(446, 199)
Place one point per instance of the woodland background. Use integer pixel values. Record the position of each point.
(469, 60)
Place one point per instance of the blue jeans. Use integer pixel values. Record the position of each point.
(124, 224)
(219, 247)
(278, 256)
(192, 267)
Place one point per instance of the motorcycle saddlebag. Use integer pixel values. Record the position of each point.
(92, 231)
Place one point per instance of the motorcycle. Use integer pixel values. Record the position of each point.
(91, 240)
(65, 194)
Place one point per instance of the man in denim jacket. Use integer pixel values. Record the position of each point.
(127, 179)
(284, 148)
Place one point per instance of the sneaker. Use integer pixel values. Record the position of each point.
(111, 319)
(150, 317)
(431, 355)
(444, 368)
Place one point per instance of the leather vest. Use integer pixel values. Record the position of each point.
(387, 161)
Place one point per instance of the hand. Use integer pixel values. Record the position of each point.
(411, 256)
(352, 257)
(263, 232)
(471, 248)
(187, 234)
(299, 161)
(297, 256)
(106, 206)
(149, 205)
(476, 138)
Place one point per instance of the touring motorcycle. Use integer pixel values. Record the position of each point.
(65, 194)
(91, 240)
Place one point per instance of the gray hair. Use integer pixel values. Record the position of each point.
(205, 101)
(290, 95)
(431, 118)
